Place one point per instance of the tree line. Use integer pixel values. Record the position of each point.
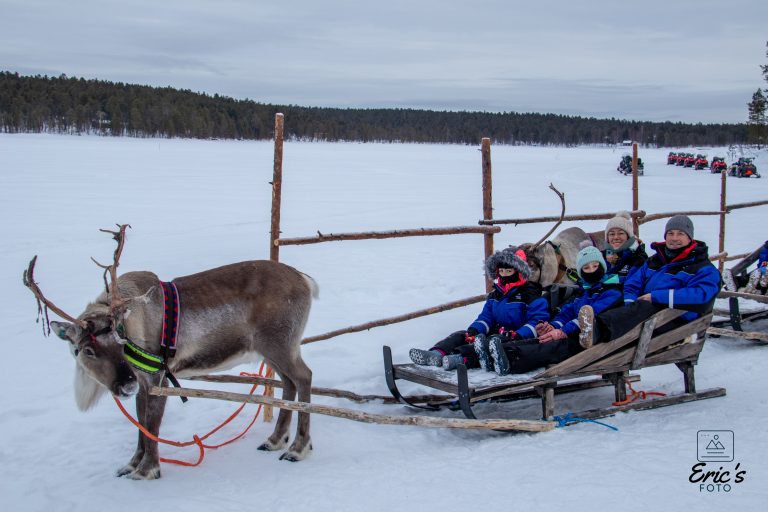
(76, 105)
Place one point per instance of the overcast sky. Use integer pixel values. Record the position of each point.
(678, 60)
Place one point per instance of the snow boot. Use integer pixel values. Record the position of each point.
(587, 327)
(752, 284)
(426, 357)
(481, 349)
(728, 282)
(452, 361)
(500, 360)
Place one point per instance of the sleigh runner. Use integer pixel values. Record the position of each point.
(605, 364)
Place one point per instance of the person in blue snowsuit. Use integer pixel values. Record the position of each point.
(678, 276)
(511, 311)
(758, 279)
(559, 339)
(623, 252)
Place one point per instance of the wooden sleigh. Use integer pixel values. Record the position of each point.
(605, 364)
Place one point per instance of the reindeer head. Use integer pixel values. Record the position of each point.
(93, 338)
(541, 256)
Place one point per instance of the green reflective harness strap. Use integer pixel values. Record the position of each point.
(142, 359)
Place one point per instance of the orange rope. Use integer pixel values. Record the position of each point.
(196, 440)
(637, 395)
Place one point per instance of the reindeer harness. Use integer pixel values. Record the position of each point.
(153, 363)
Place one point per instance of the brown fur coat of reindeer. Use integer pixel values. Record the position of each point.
(229, 315)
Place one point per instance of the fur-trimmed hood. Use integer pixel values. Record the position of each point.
(511, 257)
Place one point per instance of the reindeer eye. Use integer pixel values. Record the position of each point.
(89, 352)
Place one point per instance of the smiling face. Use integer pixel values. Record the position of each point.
(616, 237)
(676, 239)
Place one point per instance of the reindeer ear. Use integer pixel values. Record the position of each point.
(61, 328)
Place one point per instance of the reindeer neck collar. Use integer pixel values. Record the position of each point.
(141, 359)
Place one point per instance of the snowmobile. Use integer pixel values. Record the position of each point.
(701, 162)
(744, 168)
(671, 158)
(718, 164)
(689, 160)
(625, 165)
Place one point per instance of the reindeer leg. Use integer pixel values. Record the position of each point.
(301, 376)
(141, 406)
(149, 466)
(279, 438)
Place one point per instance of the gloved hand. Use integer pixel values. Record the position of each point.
(469, 336)
(508, 335)
(554, 334)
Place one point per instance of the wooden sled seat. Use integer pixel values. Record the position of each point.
(601, 365)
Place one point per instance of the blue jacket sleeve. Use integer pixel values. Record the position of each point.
(537, 311)
(484, 322)
(568, 312)
(634, 284)
(698, 292)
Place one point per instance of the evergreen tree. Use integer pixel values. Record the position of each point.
(757, 118)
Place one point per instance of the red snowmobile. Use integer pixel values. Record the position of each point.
(718, 165)
(701, 162)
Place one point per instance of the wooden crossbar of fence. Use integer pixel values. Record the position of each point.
(396, 319)
(534, 220)
(399, 233)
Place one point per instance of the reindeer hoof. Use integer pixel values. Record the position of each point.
(125, 470)
(151, 474)
(295, 455)
(271, 446)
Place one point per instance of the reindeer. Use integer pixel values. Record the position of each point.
(228, 315)
(551, 260)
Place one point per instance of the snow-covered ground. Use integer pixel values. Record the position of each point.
(199, 204)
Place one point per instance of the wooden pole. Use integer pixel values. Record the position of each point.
(750, 296)
(721, 247)
(274, 234)
(656, 216)
(336, 393)
(364, 417)
(399, 233)
(395, 319)
(536, 220)
(635, 198)
(746, 205)
(487, 202)
(277, 184)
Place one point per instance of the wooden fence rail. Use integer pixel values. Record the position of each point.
(396, 319)
(400, 233)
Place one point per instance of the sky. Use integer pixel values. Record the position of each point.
(656, 60)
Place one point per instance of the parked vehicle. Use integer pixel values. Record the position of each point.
(744, 168)
(718, 164)
(681, 159)
(625, 165)
(701, 162)
(671, 158)
(689, 160)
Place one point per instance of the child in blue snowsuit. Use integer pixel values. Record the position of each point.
(511, 311)
(758, 279)
(559, 339)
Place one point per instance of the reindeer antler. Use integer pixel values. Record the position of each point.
(116, 301)
(562, 215)
(43, 304)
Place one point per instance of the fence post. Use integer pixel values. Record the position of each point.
(274, 233)
(635, 199)
(487, 201)
(721, 247)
